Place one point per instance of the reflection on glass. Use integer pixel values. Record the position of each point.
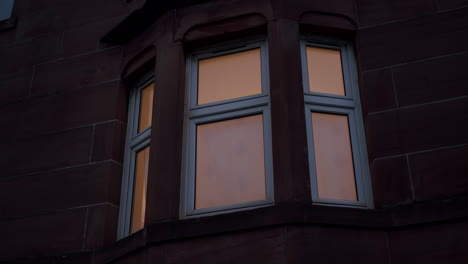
(230, 164)
(333, 157)
(325, 71)
(229, 76)
(139, 190)
(146, 107)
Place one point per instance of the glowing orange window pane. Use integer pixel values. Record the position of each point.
(325, 71)
(229, 76)
(333, 157)
(146, 107)
(230, 164)
(139, 190)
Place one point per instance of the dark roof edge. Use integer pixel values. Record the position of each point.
(134, 24)
(140, 19)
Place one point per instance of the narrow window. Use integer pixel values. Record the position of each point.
(337, 152)
(228, 153)
(6, 7)
(135, 174)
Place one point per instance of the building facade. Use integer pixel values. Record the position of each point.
(88, 86)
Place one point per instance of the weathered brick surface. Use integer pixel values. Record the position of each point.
(452, 4)
(423, 127)
(432, 80)
(55, 85)
(60, 190)
(48, 17)
(79, 71)
(447, 243)
(109, 142)
(18, 57)
(101, 227)
(54, 151)
(7, 38)
(252, 247)
(52, 234)
(86, 38)
(434, 35)
(65, 110)
(15, 86)
(385, 11)
(377, 92)
(440, 173)
(391, 181)
(335, 245)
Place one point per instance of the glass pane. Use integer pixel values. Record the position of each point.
(325, 71)
(146, 107)
(6, 6)
(139, 189)
(230, 164)
(333, 157)
(229, 76)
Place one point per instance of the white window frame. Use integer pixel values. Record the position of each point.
(133, 144)
(221, 111)
(348, 105)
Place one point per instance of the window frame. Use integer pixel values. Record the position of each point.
(134, 142)
(348, 105)
(222, 111)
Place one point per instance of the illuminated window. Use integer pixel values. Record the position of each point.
(228, 143)
(337, 153)
(133, 198)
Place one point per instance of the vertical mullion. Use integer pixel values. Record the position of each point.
(304, 67)
(311, 148)
(129, 200)
(346, 73)
(358, 170)
(264, 69)
(193, 91)
(268, 155)
(126, 190)
(190, 199)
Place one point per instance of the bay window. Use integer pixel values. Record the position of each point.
(226, 163)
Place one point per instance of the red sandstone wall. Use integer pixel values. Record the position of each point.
(63, 114)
